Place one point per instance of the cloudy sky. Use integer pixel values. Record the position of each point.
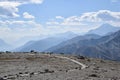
(21, 18)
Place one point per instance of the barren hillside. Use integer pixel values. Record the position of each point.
(14, 66)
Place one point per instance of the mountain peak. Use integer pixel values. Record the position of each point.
(106, 26)
(69, 32)
(104, 29)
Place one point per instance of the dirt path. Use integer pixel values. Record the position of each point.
(79, 63)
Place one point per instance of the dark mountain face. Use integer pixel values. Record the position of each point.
(107, 47)
(111, 48)
(104, 29)
(74, 41)
(44, 44)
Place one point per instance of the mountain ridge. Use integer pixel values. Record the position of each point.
(46, 43)
(95, 47)
(104, 29)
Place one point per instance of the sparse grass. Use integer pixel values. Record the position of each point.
(6, 59)
(30, 58)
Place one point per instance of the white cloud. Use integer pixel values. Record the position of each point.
(28, 16)
(10, 3)
(37, 1)
(85, 22)
(14, 30)
(101, 16)
(52, 23)
(106, 15)
(72, 21)
(24, 1)
(9, 8)
(89, 17)
(59, 17)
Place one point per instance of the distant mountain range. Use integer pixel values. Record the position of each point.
(106, 47)
(73, 41)
(103, 42)
(46, 43)
(4, 46)
(104, 29)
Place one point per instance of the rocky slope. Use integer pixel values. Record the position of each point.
(106, 47)
(73, 40)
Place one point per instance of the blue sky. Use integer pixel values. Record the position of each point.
(51, 8)
(25, 18)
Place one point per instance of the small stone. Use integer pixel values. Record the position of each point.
(2, 79)
(93, 75)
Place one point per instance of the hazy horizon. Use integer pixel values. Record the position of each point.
(20, 19)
